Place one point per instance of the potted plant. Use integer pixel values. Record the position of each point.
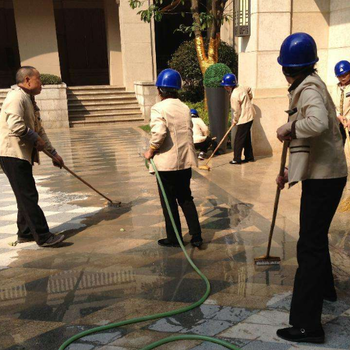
(218, 101)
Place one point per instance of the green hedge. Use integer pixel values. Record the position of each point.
(214, 74)
(185, 61)
(50, 79)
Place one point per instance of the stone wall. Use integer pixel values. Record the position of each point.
(53, 105)
(147, 95)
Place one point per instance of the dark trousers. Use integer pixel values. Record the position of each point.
(243, 140)
(314, 277)
(203, 146)
(177, 188)
(31, 221)
(343, 132)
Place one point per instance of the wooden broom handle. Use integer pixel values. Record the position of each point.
(217, 147)
(277, 197)
(78, 177)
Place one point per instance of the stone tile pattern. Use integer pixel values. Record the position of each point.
(112, 268)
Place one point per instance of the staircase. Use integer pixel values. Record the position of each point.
(3, 93)
(89, 105)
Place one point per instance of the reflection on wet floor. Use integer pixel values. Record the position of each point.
(111, 268)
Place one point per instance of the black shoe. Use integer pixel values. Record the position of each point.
(25, 239)
(330, 298)
(248, 160)
(53, 240)
(197, 241)
(166, 243)
(235, 162)
(301, 335)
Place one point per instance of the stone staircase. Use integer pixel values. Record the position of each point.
(3, 93)
(88, 105)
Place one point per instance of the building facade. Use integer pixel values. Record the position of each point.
(328, 21)
(86, 42)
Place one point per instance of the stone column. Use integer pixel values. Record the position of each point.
(36, 32)
(258, 68)
(114, 43)
(138, 48)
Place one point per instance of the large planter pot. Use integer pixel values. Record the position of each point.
(218, 109)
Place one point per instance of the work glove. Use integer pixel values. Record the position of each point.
(282, 180)
(284, 132)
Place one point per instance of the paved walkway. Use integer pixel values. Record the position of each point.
(110, 267)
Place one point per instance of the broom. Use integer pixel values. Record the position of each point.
(268, 259)
(110, 203)
(205, 166)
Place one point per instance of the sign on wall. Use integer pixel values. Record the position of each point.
(242, 18)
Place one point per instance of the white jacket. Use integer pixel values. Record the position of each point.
(171, 130)
(200, 130)
(316, 152)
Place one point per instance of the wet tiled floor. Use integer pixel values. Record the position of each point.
(110, 267)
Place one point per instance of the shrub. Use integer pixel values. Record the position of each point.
(185, 61)
(50, 79)
(214, 74)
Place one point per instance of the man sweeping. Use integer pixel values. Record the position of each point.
(317, 160)
(243, 114)
(172, 148)
(21, 138)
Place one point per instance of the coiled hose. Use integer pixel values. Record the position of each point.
(164, 314)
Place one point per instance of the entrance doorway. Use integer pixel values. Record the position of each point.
(9, 54)
(82, 42)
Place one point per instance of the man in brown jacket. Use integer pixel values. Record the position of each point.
(243, 114)
(173, 152)
(21, 138)
(317, 160)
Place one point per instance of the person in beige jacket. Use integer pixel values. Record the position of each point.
(317, 160)
(202, 140)
(22, 136)
(243, 114)
(172, 149)
(342, 96)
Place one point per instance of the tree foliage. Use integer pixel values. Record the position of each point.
(185, 61)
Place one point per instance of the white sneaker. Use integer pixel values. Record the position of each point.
(201, 156)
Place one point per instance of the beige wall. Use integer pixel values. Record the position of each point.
(114, 43)
(36, 32)
(138, 50)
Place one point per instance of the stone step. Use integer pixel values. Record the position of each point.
(98, 93)
(113, 113)
(96, 87)
(84, 98)
(105, 107)
(102, 101)
(106, 119)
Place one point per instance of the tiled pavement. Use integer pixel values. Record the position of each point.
(110, 267)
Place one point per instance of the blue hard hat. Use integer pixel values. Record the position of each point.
(194, 111)
(169, 78)
(229, 80)
(341, 68)
(298, 50)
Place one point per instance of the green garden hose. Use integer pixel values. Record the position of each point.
(165, 314)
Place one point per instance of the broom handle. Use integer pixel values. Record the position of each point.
(217, 147)
(78, 177)
(278, 192)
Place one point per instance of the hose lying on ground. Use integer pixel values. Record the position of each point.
(165, 314)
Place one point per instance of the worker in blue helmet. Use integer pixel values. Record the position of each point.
(342, 96)
(316, 158)
(243, 114)
(202, 140)
(173, 152)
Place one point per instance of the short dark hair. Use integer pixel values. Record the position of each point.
(294, 71)
(168, 92)
(24, 72)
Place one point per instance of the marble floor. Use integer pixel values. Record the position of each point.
(110, 267)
